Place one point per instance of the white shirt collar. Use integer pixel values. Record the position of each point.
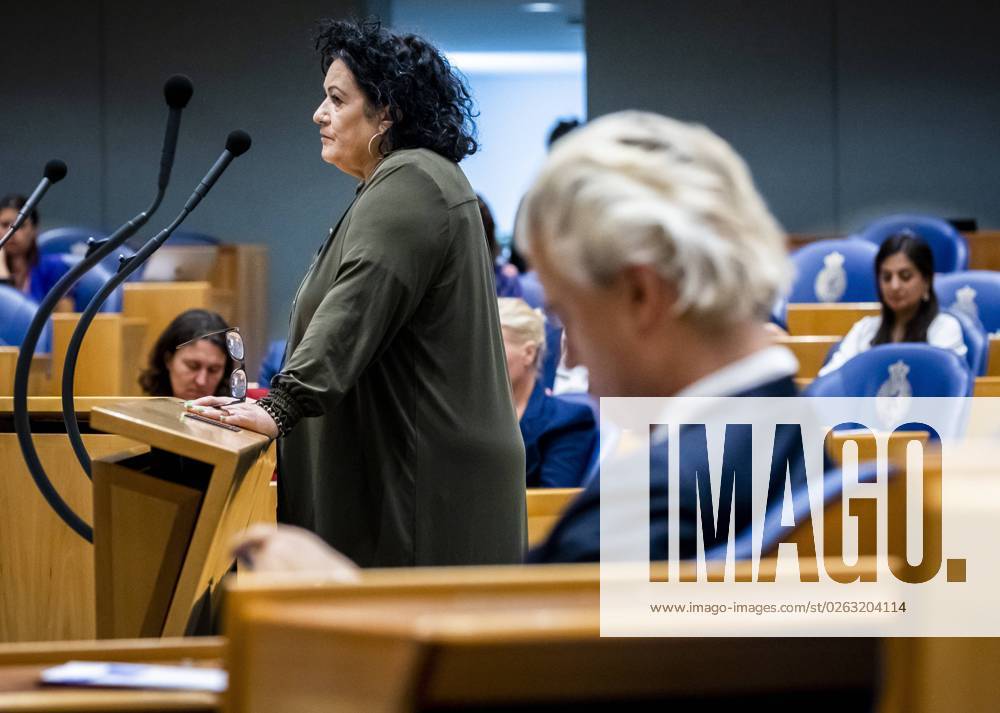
(751, 371)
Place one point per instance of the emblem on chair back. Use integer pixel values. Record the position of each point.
(831, 281)
(965, 302)
(893, 397)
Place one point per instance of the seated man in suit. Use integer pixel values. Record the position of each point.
(661, 259)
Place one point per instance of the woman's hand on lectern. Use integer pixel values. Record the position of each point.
(283, 548)
(245, 414)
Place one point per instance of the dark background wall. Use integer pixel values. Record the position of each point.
(844, 110)
(83, 82)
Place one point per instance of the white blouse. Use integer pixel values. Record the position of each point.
(945, 332)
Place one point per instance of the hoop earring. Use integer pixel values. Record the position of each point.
(375, 136)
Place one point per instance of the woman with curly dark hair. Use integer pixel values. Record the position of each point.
(196, 369)
(398, 440)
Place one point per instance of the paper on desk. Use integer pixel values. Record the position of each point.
(134, 675)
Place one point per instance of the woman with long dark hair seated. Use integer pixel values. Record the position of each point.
(189, 359)
(904, 273)
(20, 256)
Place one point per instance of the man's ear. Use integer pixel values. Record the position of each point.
(649, 297)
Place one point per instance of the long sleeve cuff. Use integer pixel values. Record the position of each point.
(282, 407)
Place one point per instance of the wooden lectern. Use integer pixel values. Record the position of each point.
(164, 520)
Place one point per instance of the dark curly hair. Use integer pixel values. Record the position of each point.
(155, 379)
(427, 100)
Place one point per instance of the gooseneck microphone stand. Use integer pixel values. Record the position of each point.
(237, 143)
(177, 92)
(55, 171)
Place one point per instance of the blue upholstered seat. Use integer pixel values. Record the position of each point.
(929, 371)
(834, 271)
(975, 293)
(948, 246)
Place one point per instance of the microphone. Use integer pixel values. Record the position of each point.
(237, 143)
(177, 91)
(55, 171)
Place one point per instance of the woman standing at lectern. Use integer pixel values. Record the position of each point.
(398, 440)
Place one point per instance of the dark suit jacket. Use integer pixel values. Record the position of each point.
(559, 438)
(576, 537)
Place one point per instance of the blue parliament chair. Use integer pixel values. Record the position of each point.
(975, 293)
(553, 352)
(977, 344)
(272, 362)
(894, 369)
(948, 245)
(532, 291)
(834, 271)
(70, 240)
(53, 267)
(16, 312)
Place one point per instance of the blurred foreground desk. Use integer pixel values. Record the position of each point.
(46, 570)
(21, 665)
(164, 520)
(493, 637)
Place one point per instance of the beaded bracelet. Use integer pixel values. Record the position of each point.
(276, 416)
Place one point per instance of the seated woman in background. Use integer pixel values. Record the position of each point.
(20, 254)
(194, 370)
(559, 436)
(904, 272)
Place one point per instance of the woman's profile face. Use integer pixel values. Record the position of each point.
(345, 128)
(902, 284)
(196, 370)
(20, 242)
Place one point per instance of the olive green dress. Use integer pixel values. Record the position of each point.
(406, 448)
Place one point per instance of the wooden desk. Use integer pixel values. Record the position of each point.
(164, 520)
(987, 386)
(984, 249)
(159, 302)
(993, 365)
(409, 640)
(21, 666)
(545, 506)
(47, 570)
(40, 382)
(110, 359)
(241, 270)
(830, 319)
(810, 351)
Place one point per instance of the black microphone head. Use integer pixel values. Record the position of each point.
(238, 142)
(55, 170)
(178, 91)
